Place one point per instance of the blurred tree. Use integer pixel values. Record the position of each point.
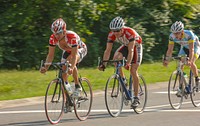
(25, 26)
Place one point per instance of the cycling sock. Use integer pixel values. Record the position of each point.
(77, 86)
(196, 78)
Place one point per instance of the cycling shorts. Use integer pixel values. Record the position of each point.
(138, 52)
(82, 52)
(185, 51)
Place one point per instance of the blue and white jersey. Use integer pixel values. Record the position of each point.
(188, 37)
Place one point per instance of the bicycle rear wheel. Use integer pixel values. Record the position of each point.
(83, 104)
(175, 90)
(54, 101)
(195, 92)
(114, 96)
(142, 95)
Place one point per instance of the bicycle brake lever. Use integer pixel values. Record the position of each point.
(123, 61)
(99, 60)
(41, 65)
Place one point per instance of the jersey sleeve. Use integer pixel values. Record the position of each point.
(131, 35)
(111, 37)
(191, 39)
(52, 40)
(171, 41)
(72, 40)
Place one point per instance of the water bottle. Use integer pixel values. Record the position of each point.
(72, 86)
(185, 76)
(131, 93)
(125, 82)
(68, 88)
(187, 88)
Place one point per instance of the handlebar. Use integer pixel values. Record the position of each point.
(56, 64)
(112, 61)
(183, 58)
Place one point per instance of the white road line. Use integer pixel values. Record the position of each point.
(28, 111)
(104, 110)
(148, 109)
(160, 106)
(161, 92)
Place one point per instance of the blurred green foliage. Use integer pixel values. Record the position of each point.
(25, 26)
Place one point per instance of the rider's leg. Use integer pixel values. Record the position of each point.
(64, 58)
(137, 59)
(75, 71)
(119, 56)
(134, 74)
(75, 75)
(194, 68)
(65, 76)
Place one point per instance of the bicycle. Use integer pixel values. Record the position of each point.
(179, 86)
(117, 92)
(58, 100)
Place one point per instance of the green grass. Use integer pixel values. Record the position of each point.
(23, 84)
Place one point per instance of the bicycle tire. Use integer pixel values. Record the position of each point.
(142, 94)
(114, 95)
(195, 92)
(175, 94)
(83, 104)
(54, 101)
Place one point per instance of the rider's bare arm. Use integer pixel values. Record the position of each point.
(74, 55)
(107, 52)
(49, 59)
(130, 51)
(191, 52)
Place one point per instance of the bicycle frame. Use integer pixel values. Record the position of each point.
(59, 77)
(62, 101)
(180, 71)
(128, 92)
(185, 87)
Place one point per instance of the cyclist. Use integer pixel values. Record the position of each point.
(189, 45)
(74, 50)
(131, 49)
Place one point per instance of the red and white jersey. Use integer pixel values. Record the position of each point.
(128, 35)
(71, 38)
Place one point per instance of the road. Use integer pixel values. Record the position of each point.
(30, 112)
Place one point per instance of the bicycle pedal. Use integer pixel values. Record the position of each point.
(126, 102)
(186, 95)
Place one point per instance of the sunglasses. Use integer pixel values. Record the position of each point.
(116, 30)
(177, 33)
(58, 33)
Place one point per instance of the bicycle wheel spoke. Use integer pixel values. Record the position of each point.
(82, 104)
(54, 102)
(175, 90)
(195, 93)
(114, 96)
(142, 95)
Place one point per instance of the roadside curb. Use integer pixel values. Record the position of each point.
(40, 100)
(29, 101)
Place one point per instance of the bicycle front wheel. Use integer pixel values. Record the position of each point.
(54, 101)
(175, 90)
(142, 95)
(195, 92)
(114, 96)
(83, 104)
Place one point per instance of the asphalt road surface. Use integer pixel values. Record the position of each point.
(30, 112)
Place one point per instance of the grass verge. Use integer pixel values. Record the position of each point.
(22, 84)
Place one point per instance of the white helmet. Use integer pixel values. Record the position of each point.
(178, 26)
(117, 23)
(58, 26)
